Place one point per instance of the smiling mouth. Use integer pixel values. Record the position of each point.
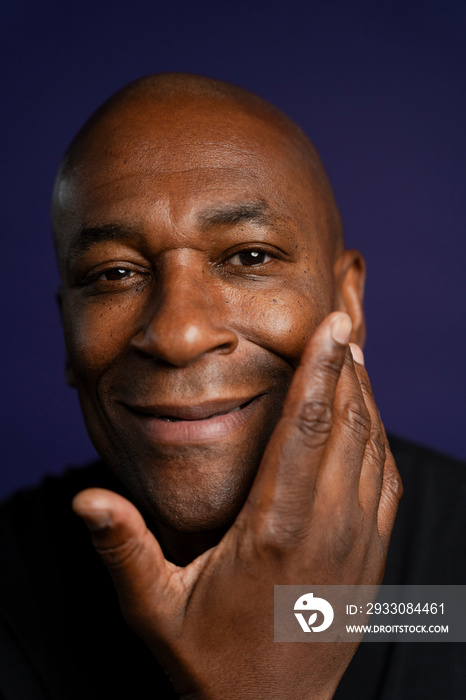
(173, 419)
(197, 423)
(206, 410)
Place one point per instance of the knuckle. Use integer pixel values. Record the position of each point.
(116, 556)
(355, 416)
(392, 484)
(276, 536)
(376, 446)
(314, 421)
(331, 364)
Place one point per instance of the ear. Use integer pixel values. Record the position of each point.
(349, 276)
(69, 374)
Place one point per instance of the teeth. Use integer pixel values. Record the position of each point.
(225, 412)
(169, 419)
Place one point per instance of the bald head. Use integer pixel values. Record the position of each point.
(175, 102)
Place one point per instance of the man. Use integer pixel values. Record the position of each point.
(207, 303)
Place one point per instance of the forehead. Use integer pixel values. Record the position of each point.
(175, 156)
(177, 129)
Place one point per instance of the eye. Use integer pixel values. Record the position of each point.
(116, 273)
(119, 278)
(248, 258)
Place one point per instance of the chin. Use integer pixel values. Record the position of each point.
(203, 510)
(203, 507)
(201, 494)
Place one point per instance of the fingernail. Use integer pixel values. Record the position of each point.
(340, 328)
(357, 353)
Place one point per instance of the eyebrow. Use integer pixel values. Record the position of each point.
(258, 212)
(88, 236)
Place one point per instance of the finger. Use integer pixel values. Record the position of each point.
(370, 486)
(128, 549)
(392, 490)
(286, 479)
(339, 479)
(380, 486)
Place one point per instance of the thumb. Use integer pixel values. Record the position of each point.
(129, 550)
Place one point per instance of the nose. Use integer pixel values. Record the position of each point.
(185, 320)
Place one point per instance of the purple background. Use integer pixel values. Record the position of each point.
(380, 87)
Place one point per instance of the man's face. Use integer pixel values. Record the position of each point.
(195, 269)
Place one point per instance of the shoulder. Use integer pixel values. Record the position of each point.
(36, 515)
(430, 529)
(412, 456)
(60, 624)
(37, 532)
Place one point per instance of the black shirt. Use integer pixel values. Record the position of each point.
(62, 636)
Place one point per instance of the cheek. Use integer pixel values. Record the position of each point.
(282, 322)
(95, 334)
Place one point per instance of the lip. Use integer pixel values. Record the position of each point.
(197, 423)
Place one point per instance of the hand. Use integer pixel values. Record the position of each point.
(320, 511)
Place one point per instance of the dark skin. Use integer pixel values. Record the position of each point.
(204, 274)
